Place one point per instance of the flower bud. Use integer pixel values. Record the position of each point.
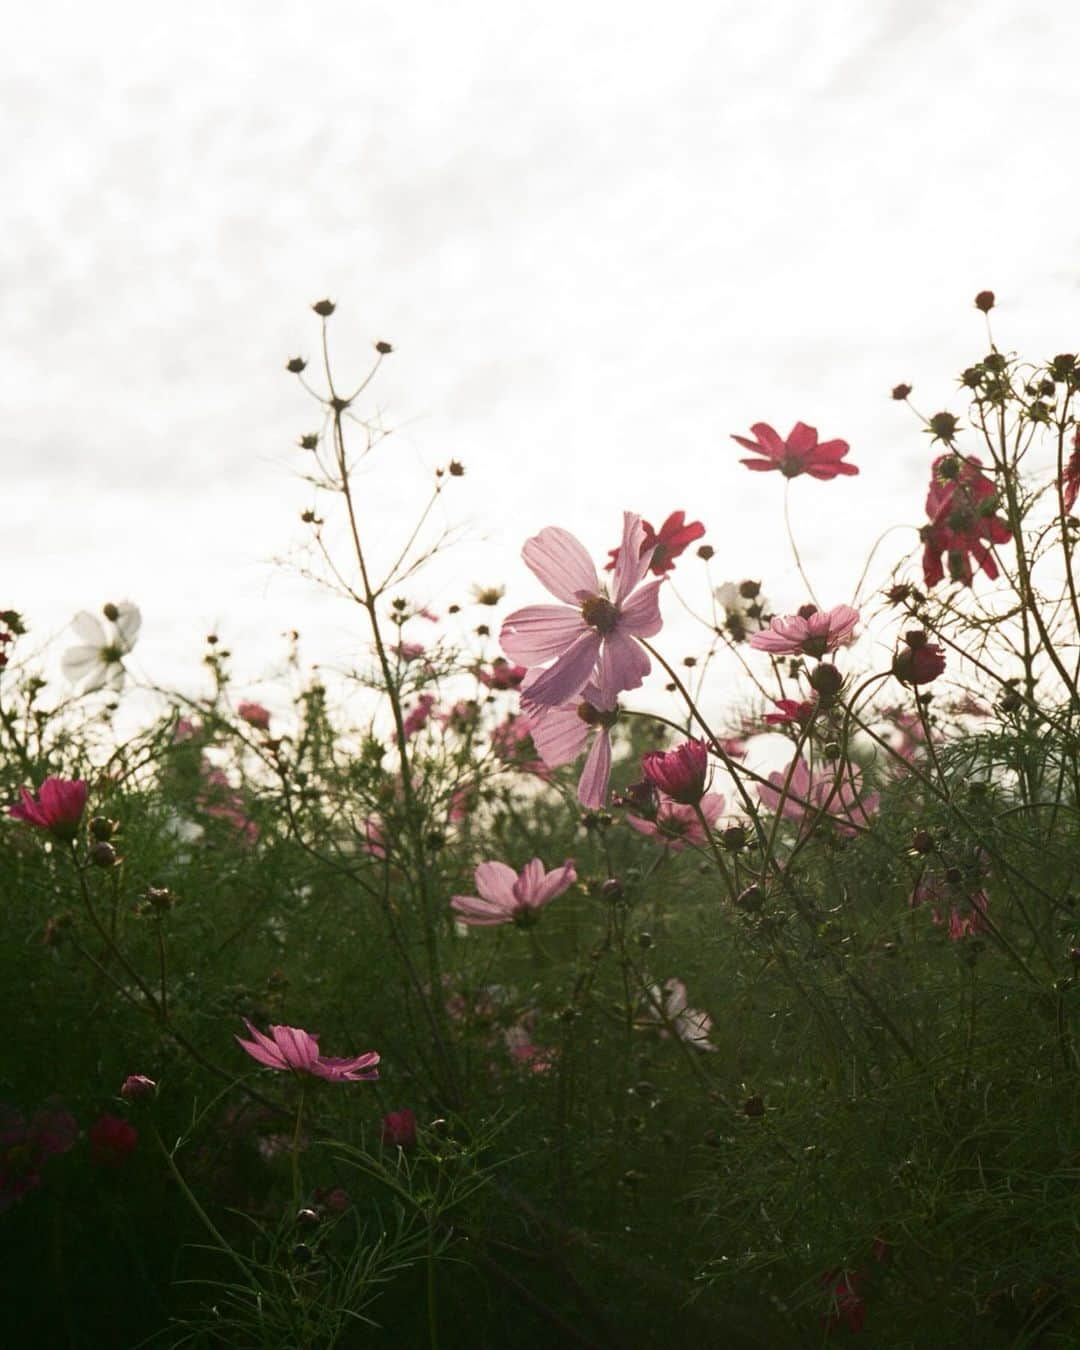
(985, 301)
(307, 1218)
(734, 838)
(943, 426)
(103, 829)
(922, 841)
(103, 855)
(750, 899)
(901, 392)
(324, 308)
(706, 551)
(826, 681)
(296, 365)
(456, 469)
(383, 348)
(754, 1107)
(310, 441)
(136, 1087)
(612, 889)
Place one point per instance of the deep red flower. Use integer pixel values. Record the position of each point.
(680, 773)
(800, 453)
(790, 711)
(673, 538)
(961, 504)
(112, 1140)
(844, 1288)
(1070, 477)
(57, 808)
(255, 715)
(919, 661)
(399, 1129)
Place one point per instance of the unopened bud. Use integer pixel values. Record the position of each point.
(324, 308)
(734, 838)
(922, 841)
(307, 1218)
(137, 1087)
(753, 1107)
(456, 469)
(826, 681)
(383, 348)
(296, 365)
(706, 551)
(612, 889)
(750, 899)
(309, 441)
(943, 427)
(901, 392)
(103, 829)
(111, 612)
(985, 301)
(103, 854)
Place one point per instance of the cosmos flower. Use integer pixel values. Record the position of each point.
(800, 453)
(507, 896)
(560, 734)
(675, 825)
(398, 1129)
(668, 1005)
(680, 773)
(809, 793)
(58, 807)
(112, 1140)
(811, 632)
(664, 546)
(591, 634)
(297, 1051)
(98, 661)
(255, 715)
(961, 504)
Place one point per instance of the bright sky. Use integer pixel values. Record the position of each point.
(600, 237)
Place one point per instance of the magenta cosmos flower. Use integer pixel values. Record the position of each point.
(680, 773)
(663, 546)
(58, 807)
(255, 715)
(507, 896)
(296, 1050)
(560, 734)
(961, 504)
(800, 453)
(675, 825)
(591, 631)
(811, 632)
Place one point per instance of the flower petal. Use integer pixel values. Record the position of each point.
(593, 784)
(623, 664)
(559, 562)
(570, 673)
(127, 624)
(640, 616)
(538, 633)
(630, 566)
(495, 882)
(89, 629)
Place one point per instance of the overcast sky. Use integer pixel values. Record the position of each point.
(600, 237)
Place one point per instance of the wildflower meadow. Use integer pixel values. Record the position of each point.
(553, 978)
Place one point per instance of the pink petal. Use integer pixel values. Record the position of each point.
(593, 784)
(571, 671)
(557, 880)
(300, 1049)
(630, 566)
(640, 616)
(528, 885)
(801, 439)
(768, 439)
(560, 563)
(832, 450)
(495, 882)
(623, 664)
(539, 633)
(479, 912)
(559, 734)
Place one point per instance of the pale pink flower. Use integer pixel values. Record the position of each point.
(560, 734)
(668, 1005)
(523, 1051)
(811, 632)
(502, 674)
(591, 634)
(809, 793)
(409, 651)
(297, 1051)
(675, 825)
(507, 896)
(58, 807)
(417, 718)
(255, 715)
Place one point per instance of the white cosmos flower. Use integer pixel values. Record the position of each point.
(98, 660)
(746, 609)
(669, 1005)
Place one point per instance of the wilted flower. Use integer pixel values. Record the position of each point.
(811, 632)
(297, 1051)
(590, 632)
(58, 807)
(800, 453)
(97, 662)
(846, 1300)
(507, 896)
(1070, 474)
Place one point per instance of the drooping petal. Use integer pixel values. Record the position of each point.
(538, 633)
(593, 784)
(495, 882)
(559, 734)
(630, 566)
(479, 912)
(560, 563)
(623, 664)
(568, 676)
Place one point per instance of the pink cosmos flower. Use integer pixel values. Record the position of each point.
(297, 1051)
(1070, 475)
(560, 734)
(58, 807)
(255, 715)
(502, 674)
(25, 1146)
(222, 802)
(811, 632)
(668, 1005)
(417, 718)
(673, 539)
(675, 825)
(961, 505)
(137, 1086)
(112, 1140)
(590, 632)
(919, 661)
(409, 651)
(523, 1051)
(507, 896)
(810, 793)
(680, 773)
(800, 453)
(513, 744)
(399, 1129)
